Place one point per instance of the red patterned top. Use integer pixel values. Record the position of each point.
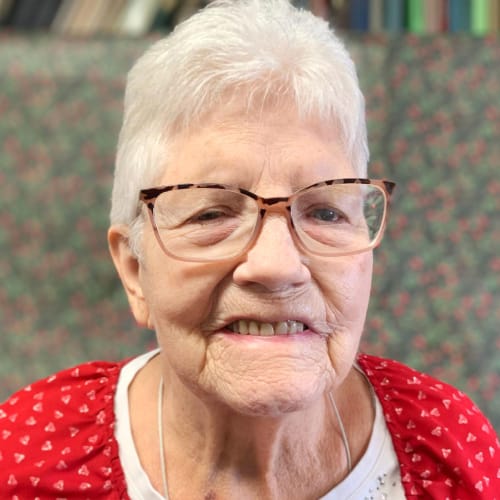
(446, 448)
(57, 436)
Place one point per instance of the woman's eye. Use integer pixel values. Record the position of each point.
(214, 214)
(325, 215)
(209, 215)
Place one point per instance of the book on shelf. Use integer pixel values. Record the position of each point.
(416, 16)
(64, 16)
(138, 17)
(46, 13)
(436, 15)
(109, 23)
(79, 21)
(96, 17)
(22, 14)
(5, 7)
(394, 16)
(359, 15)
(495, 16)
(479, 17)
(376, 16)
(458, 15)
(339, 14)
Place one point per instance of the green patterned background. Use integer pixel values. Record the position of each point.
(434, 123)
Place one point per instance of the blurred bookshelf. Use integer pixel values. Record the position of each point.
(90, 18)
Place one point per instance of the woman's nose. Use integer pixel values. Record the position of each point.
(273, 261)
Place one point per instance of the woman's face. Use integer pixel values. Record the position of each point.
(194, 307)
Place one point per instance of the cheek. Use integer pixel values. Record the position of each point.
(357, 282)
(180, 294)
(347, 295)
(347, 288)
(180, 298)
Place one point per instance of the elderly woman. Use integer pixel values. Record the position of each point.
(242, 228)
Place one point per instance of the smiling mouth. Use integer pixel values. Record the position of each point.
(256, 328)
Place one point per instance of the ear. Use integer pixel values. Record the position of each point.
(128, 268)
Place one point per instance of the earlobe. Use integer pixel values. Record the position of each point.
(128, 267)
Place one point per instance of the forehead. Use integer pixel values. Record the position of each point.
(277, 149)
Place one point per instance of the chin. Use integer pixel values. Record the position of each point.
(262, 399)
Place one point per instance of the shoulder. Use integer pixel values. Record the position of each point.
(57, 435)
(446, 447)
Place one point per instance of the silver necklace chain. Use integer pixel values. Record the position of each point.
(343, 435)
(162, 444)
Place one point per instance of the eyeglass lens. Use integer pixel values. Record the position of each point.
(214, 224)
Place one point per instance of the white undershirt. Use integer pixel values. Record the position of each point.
(375, 477)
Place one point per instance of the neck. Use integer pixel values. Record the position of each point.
(210, 449)
(267, 455)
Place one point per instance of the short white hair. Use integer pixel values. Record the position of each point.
(262, 52)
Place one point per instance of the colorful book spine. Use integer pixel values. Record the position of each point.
(479, 17)
(416, 17)
(495, 16)
(458, 15)
(376, 21)
(46, 12)
(435, 16)
(359, 15)
(394, 15)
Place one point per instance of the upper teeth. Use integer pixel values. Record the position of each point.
(246, 327)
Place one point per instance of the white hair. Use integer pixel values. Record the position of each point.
(262, 52)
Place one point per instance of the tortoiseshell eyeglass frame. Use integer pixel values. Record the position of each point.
(279, 204)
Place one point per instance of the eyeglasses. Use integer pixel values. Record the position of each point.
(214, 222)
